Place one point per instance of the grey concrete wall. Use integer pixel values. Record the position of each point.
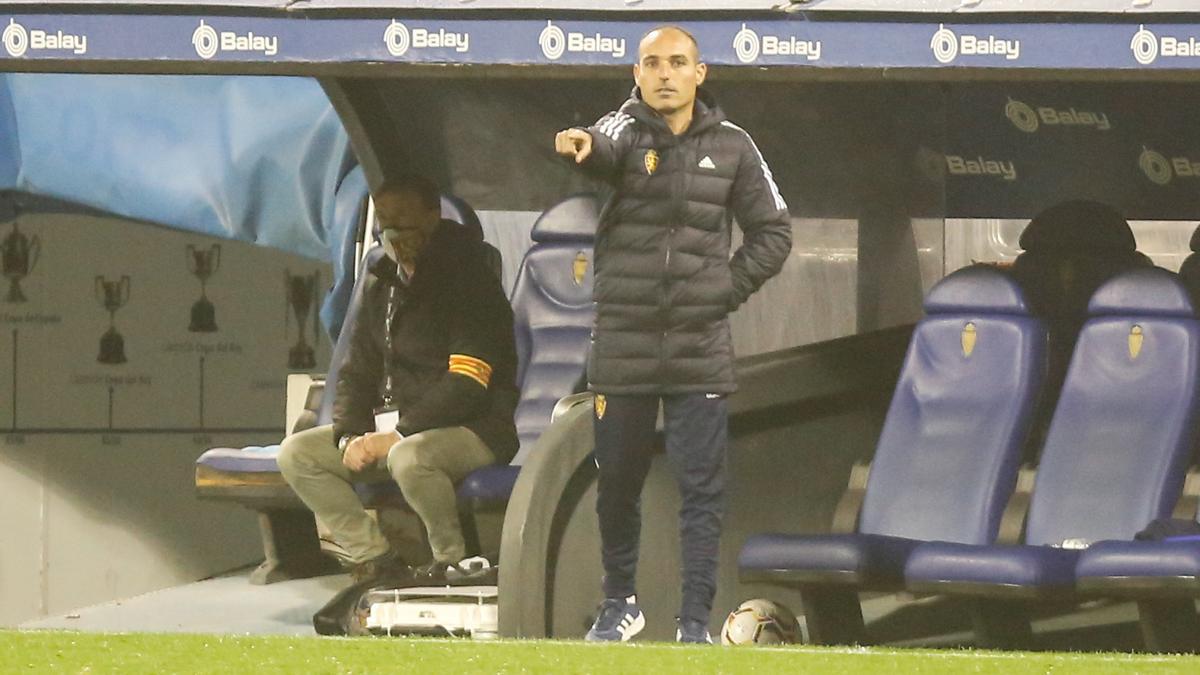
(96, 458)
(87, 523)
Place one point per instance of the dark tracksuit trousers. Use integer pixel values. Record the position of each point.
(696, 432)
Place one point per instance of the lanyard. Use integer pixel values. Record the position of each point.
(393, 307)
(388, 319)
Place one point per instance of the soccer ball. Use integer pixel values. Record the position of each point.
(759, 622)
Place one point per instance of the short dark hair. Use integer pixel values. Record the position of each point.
(679, 29)
(422, 186)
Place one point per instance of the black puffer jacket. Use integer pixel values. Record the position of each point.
(665, 283)
(453, 305)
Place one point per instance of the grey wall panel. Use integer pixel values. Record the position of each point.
(97, 458)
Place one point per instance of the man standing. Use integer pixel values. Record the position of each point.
(426, 394)
(664, 286)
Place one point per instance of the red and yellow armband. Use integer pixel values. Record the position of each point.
(476, 369)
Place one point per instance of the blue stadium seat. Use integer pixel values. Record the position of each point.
(458, 210)
(553, 312)
(552, 321)
(1115, 456)
(1068, 251)
(250, 459)
(1142, 568)
(454, 208)
(947, 458)
(1162, 576)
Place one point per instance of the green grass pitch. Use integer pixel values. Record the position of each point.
(67, 652)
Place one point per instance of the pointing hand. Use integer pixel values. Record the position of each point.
(575, 143)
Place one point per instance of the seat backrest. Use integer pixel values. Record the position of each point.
(454, 208)
(1189, 271)
(1118, 444)
(950, 448)
(552, 312)
(1070, 250)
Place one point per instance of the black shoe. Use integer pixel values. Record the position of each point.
(693, 632)
(384, 568)
(433, 572)
(342, 615)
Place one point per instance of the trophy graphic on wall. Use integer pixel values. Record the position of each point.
(203, 264)
(112, 295)
(19, 255)
(301, 292)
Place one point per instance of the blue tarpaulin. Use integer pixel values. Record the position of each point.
(9, 150)
(256, 159)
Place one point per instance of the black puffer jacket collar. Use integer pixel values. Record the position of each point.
(705, 114)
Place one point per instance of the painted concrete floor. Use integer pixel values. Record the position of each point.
(228, 604)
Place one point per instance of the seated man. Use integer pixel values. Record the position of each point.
(426, 394)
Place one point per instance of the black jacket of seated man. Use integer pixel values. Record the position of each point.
(453, 305)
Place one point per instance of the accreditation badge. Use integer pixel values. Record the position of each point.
(386, 420)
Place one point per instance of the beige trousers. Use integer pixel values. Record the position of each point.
(426, 465)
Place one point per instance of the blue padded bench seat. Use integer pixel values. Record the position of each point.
(250, 459)
(1141, 568)
(1013, 571)
(1162, 576)
(859, 559)
(491, 483)
(249, 476)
